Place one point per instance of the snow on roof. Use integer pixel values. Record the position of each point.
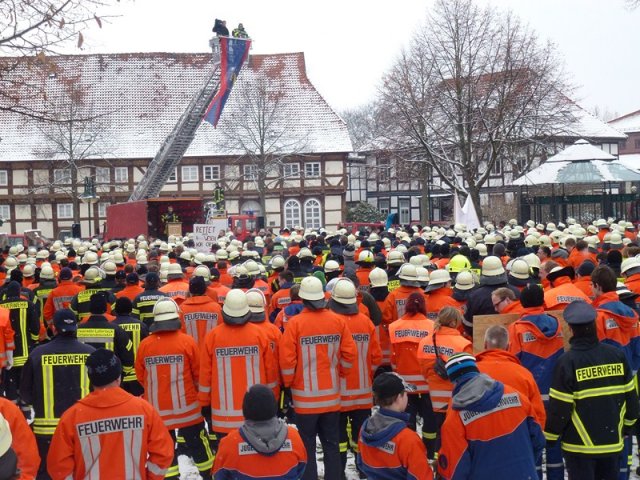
(142, 96)
(581, 151)
(589, 126)
(580, 163)
(628, 123)
(631, 161)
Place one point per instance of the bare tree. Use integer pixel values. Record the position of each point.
(475, 88)
(34, 29)
(362, 123)
(259, 131)
(74, 142)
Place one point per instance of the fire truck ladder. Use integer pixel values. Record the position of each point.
(178, 141)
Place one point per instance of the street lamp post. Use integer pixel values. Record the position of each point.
(90, 198)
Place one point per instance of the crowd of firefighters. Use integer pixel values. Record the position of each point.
(119, 357)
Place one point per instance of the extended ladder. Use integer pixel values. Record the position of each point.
(178, 141)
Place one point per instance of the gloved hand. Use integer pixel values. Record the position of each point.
(9, 360)
(286, 403)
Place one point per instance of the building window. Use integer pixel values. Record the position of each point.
(173, 178)
(623, 145)
(189, 173)
(103, 175)
(291, 213)
(637, 142)
(102, 209)
(291, 170)
(496, 168)
(312, 169)
(211, 172)
(383, 169)
(404, 207)
(250, 172)
(384, 206)
(4, 212)
(122, 174)
(312, 214)
(4, 178)
(62, 176)
(65, 210)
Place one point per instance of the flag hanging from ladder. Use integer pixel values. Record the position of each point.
(233, 53)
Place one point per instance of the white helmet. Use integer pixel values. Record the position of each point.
(109, 268)
(305, 253)
(278, 261)
(423, 275)
(256, 300)
(28, 271)
(10, 263)
(202, 271)
(310, 289)
(165, 315)
(235, 303)
(92, 275)
(408, 272)
(90, 258)
(344, 291)
(395, 257)
(520, 269)
(252, 268)
(378, 278)
(366, 256)
(331, 266)
(47, 273)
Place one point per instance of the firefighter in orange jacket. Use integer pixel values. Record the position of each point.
(387, 447)
(500, 364)
(61, 296)
(176, 287)
(379, 290)
(355, 387)
(264, 446)
(490, 431)
(199, 313)
(109, 433)
(406, 334)
(438, 294)
(630, 271)
(316, 351)
(257, 304)
(168, 367)
(395, 302)
(236, 355)
(24, 441)
(563, 292)
(443, 342)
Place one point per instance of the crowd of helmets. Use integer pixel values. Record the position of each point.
(458, 248)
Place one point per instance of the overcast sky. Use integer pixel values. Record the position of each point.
(348, 44)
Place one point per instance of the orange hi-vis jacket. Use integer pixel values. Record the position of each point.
(406, 334)
(200, 315)
(355, 385)
(395, 302)
(383, 334)
(506, 368)
(584, 284)
(6, 337)
(60, 297)
(236, 458)
(450, 341)
(234, 358)
(437, 299)
(225, 278)
(24, 441)
(577, 257)
(316, 350)
(562, 294)
(280, 299)
(513, 307)
(168, 367)
(363, 278)
(264, 288)
(177, 289)
(130, 292)
(218, 292)
(110, 434)
(632, 282)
